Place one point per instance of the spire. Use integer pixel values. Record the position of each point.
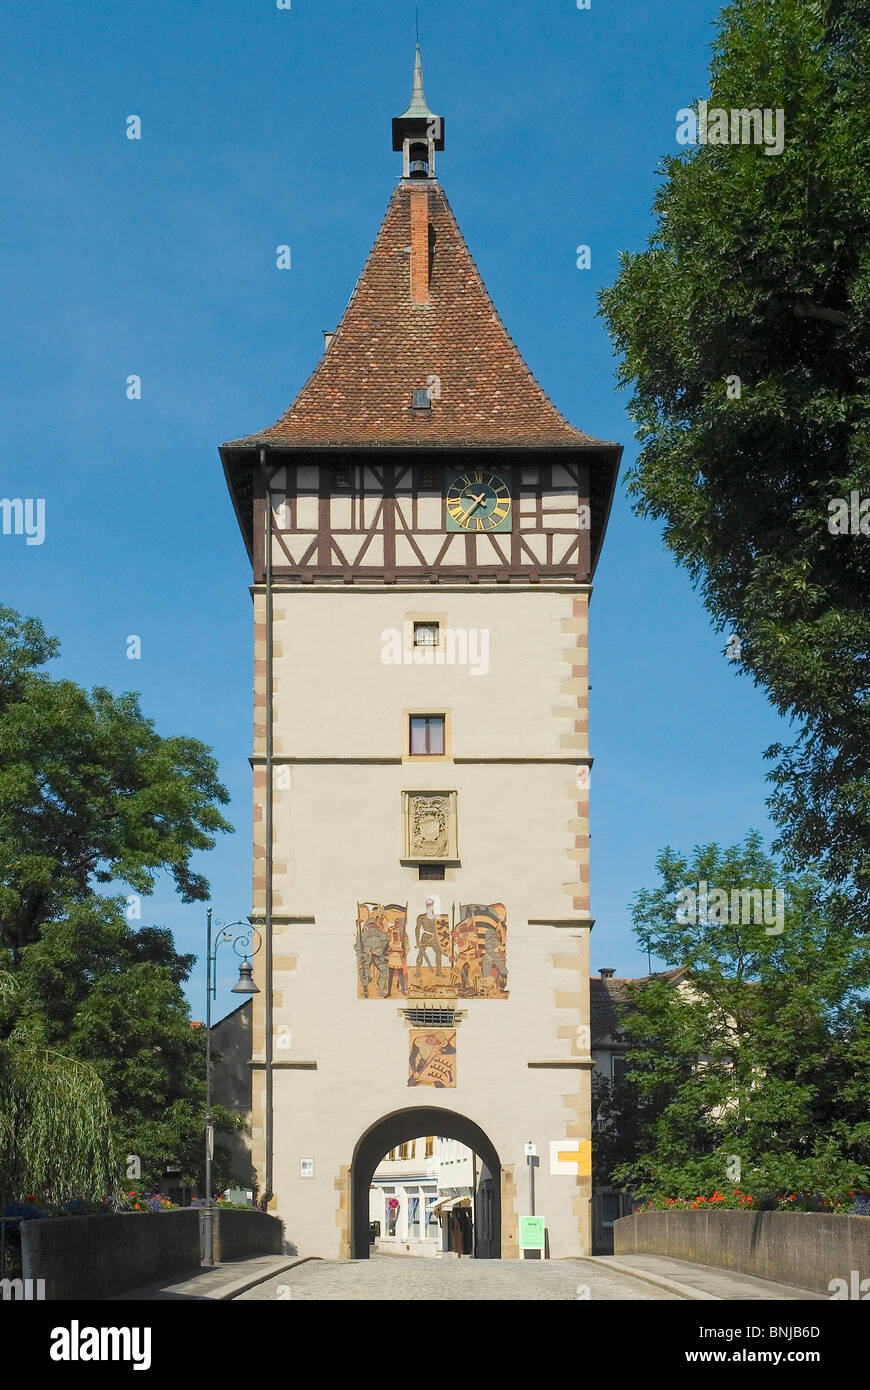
(418, 132)
(418, 105)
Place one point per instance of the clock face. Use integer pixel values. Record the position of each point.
(478, 501)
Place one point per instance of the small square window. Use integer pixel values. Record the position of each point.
(427, 736)
(421, 399)
(427, 478)
(427, 634)
(341, 479)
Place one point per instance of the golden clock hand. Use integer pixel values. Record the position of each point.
(475, 502)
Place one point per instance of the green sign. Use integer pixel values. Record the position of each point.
(531, 1232)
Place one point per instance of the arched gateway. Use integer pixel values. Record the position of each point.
(423, 527)
(397, 1129)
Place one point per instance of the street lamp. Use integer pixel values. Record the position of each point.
(242, 945)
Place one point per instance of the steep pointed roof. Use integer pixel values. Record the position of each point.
(387, 345)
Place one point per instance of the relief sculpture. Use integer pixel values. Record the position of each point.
(462, 954)
(480, 943)
(381, 950)
(432, 1060)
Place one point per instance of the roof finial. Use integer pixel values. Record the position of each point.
(419, 124)
(418, 105)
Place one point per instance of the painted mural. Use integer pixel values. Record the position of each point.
(462, 954)
(432, 1059)
(479, 951)
(381, 951)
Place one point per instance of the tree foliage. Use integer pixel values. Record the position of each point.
(55, 1127)
(759, 1052)
(110, 995)
(97, 1056)
(759, 269)
(89, 792)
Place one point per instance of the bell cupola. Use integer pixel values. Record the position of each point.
(418, 132)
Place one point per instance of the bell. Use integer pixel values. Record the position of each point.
(419, 160)
(245, 983)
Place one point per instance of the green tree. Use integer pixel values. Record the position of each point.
(759, 270)
(90, 793)
(627, 1113)
(761, 1050)
(112, 996)
(55, 1132)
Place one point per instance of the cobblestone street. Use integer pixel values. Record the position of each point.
(392, 1277)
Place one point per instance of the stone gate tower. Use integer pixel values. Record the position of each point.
(423, 527)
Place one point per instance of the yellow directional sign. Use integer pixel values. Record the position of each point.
(572, 1157)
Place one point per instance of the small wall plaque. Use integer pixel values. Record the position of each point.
(429, 826)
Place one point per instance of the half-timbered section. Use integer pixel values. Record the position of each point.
(361, 518)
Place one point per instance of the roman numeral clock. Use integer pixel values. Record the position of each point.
(478, 501)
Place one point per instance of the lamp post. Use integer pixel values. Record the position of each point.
(244, 985)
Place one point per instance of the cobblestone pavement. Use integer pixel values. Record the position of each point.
(410, 1279)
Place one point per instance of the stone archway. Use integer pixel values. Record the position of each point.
(399, 1128)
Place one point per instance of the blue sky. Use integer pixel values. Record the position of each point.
(156, 257)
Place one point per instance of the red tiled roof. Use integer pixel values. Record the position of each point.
(608, 996)
(386, 346)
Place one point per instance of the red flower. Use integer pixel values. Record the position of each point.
(31, 1199)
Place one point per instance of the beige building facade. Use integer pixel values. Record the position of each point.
(423, 527)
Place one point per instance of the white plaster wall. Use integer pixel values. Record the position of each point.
(338, 839)
(338, 699)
